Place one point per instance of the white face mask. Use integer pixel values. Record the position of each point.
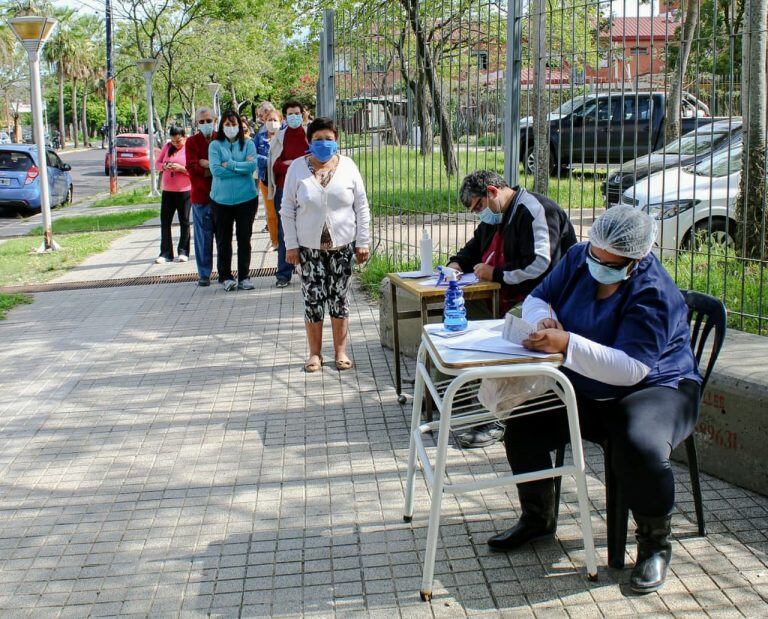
(272, 125)
(231, 132)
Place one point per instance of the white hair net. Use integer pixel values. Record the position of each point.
(624, 231)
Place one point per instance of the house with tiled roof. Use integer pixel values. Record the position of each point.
(634, 47)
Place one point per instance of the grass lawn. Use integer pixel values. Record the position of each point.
(127, 198)
(95, 223)
(377, 268)
(741, 285)
(399, 180)
(18, 266)
(9, 301)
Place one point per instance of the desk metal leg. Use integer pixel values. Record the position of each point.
(418, 393)
(396, 345)
(437, 494)
(425, 320)
(581, 481)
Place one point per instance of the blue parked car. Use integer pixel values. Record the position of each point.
(19, 178)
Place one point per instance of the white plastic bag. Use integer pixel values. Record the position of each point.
(501, 395)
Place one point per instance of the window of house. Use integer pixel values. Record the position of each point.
(342, 64)
(482, 60)
(375, 64)
(639, 51)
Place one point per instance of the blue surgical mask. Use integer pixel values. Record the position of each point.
(323, 150)
(293, 120)
(206, 129)
(487, 216)
(606, 275)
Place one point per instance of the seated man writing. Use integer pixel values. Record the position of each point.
(520, 238)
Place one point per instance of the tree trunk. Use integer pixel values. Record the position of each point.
(135, 115)
(540, 109)
(750, 204)
(417, 93)
(423, 110)
(75, 124)
(62, 118)
(674, 101)
(424, 53)
(233, 94)
(86, 137)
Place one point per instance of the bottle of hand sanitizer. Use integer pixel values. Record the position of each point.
(425, 254)
(454, 314)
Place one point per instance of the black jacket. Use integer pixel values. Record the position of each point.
(537, 233)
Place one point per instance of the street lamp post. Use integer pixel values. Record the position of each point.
(213, 88)
(147, 66)
(33, 31)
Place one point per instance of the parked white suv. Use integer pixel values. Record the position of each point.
(691, 201)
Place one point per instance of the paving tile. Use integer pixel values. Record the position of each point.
(163, 453)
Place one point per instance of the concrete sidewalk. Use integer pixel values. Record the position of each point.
(164, 454)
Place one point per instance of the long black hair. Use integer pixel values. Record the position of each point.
(231, 115)
(174, 131)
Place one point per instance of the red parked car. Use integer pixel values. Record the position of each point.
(132, 153)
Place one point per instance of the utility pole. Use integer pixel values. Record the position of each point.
(111, 120)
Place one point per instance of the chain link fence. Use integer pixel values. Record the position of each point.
(658, 105)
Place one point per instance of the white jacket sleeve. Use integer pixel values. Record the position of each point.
(536, 310)
(603, 363)
(362, 211)
(288, 208)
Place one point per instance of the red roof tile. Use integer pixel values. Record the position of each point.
(659, 28)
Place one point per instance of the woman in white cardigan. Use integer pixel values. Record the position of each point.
(325, 219)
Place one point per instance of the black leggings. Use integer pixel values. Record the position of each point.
(174, 202)
(642, 427)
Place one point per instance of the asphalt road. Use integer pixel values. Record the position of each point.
(87, 177)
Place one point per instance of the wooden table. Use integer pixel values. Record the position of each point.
(459, 408)
(427, 295)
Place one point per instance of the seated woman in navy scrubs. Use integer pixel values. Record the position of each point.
(621, 323)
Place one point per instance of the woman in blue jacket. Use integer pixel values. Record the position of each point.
(232, 161)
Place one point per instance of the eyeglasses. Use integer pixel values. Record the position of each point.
(205, 121)
(609, 265)
(477, 206)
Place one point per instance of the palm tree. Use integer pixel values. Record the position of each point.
(56, 52)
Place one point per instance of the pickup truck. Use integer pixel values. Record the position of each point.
(608, 127)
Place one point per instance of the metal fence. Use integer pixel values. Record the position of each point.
(581, 100)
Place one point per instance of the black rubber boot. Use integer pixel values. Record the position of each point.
(537, 499)
(654, 552)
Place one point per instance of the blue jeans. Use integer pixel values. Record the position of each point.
(284, 269)
(202, 218)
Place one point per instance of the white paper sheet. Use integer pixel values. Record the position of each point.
(413, 274)
(466, 280)
(516, 329)
(487, 340)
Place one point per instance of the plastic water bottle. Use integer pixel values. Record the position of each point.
(425, 254)
(454, 314)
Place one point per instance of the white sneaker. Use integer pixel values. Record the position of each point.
(246, 284)
(182, 258)
(161, 260)
(229, 284)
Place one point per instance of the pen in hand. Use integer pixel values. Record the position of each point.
(490, 257)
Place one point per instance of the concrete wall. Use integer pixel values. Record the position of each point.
(732, 432)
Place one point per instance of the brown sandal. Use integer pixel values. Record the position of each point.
(313, 366)
(343, 364)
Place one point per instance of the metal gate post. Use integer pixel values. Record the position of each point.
(512, 83)
(328, 65)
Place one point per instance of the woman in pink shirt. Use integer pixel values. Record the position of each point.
(176, 187)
